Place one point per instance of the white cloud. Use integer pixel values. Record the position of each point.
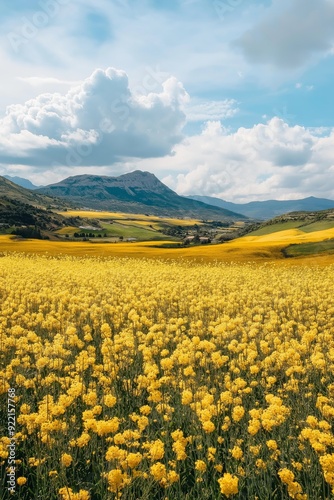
(37, 81)
(269, 160)
(96, 123)
(289, 37)
(200, 110)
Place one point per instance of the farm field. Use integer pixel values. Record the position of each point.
(124, 229)
(140, 378)
(140, 219)
(117, 226)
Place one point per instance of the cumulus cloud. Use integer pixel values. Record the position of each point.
(198, 110)
(269, 160)
(289, 37)
(37, 81)
(96, 123)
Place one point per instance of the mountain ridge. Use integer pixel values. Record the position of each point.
(21, 181)
(268, 209)
(133, 192)
(11, 190)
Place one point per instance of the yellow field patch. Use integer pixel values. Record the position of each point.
(288, 237)
(88, 214)
(141, 218)
(67, 230)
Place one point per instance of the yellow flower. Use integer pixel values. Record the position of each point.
(116, 480)
(260, 464)
(145, 410)
(109, 400)
(255, 450)
(83, 440)
(67, 494)
(83, 495)
(36, 462)
(115, 453)
(25, 409)
(142, 423)
(272, 445)
(155, 396)
(200, 465)
(156, 450)
(90, 398)
(229, 484)
(237, 413)
(254, 426)
(66, 460)
(286, 476)
(107, 426)
(179, 449)
(187, 397)
(189, 371)
(208, 426)
(167, 364)
(179, 445)
(172, 477)
(327, 464)
(211, 453)
(133, 460)
(158, 471)
(237, 453)
(297, 465)
(21, 480)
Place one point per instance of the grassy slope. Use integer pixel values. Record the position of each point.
(318, 226)
(132, 231)
(274, 228)
(305, 226)
(308, 249)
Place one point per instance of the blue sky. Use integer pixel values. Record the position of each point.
(229, 98)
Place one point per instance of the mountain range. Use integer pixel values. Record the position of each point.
(264, 210)
(135, 192)
(142, 192)
(21, 181)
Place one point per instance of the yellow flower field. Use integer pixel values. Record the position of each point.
(140, 218)
(153, 379)
(246, 249)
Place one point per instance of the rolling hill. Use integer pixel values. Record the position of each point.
(16, 213)
(264, 210)
(306, 222)
(21, 206)
(135, 192)
(13, 191)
